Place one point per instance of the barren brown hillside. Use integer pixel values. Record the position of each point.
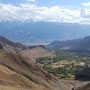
(36, 52)
(84, 87)
(19, 72)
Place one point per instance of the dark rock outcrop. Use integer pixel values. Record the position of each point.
(84, 75)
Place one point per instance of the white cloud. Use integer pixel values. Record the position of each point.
(30, 0)
(86, 4)
(85, 16)
(85, 13)
(36, 13)
(32, 12)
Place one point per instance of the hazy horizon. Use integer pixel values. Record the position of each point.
(37, 21)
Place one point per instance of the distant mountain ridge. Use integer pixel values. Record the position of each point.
(73, 45)
(84, 45)
(60, 44)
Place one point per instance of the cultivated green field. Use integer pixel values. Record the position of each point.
(66, 64)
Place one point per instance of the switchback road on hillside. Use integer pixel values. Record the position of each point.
(60, 84)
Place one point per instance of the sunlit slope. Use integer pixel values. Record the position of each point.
(37, 52)
(20, 72)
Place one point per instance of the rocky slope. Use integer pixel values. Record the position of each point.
(20, 72)
(84, 87)
(37, 51)
(11, 43)
(73, 84)
(32, 52)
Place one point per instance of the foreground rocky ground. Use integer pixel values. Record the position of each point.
(20, 72)
(73, 84)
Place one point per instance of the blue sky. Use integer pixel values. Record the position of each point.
(49, 3)
(74, 11)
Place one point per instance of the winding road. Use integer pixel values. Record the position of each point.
(60, 84)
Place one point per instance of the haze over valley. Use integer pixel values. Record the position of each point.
(43, 32)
